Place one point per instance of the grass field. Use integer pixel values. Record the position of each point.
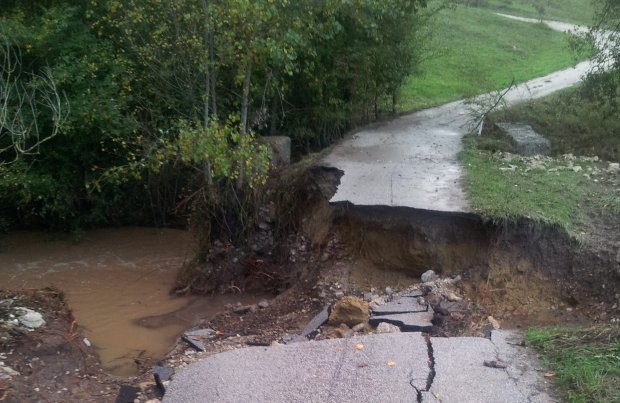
(476, 51)
(585, 362)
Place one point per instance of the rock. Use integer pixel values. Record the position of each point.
(350, 311)
(359, 327)
(339, 294)
(452, 297)
(10, 372)
(193, 342)
(127, 394)
(614, 167)
(86, 342)
(161, 375)
(527, 141)
(153, 401)
(388, 291)
(311, 328)
(384, 327)
(493, 322)
(341, 332)
(263, 305)
(204, 333)
(577, 168)
(367, 296)
(428, 276)
(29, 318)
(242, 310)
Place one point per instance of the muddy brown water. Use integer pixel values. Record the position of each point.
(117, 283)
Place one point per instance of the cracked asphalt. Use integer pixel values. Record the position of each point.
(398, 367)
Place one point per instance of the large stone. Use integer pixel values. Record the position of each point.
(387, 328)
(29, 318)
(350, 311)
(280, 149)
(527, 141)
(428, 276)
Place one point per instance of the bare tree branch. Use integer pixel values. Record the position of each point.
(25, 100)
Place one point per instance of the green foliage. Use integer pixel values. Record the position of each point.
(586, 361)
(168, 98)
(221, 149)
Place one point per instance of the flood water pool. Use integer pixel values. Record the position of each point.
(117, 283)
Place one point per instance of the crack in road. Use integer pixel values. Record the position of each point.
(431, 371)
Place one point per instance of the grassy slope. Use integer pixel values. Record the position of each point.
(479, 51)
(585, 362)
(561, 196)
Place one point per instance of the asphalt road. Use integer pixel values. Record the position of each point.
(397, 367)
(412, 161)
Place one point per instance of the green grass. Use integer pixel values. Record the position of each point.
(478, 51)
(573, 123)
(574, 193)
(586, 362)
(574, 11)
(506, 190)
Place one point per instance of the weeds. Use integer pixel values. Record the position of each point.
(585, 362)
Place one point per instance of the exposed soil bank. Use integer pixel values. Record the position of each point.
(521, 269)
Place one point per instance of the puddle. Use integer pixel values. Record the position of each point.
(117, 283)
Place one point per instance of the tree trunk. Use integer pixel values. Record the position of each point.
(245, 100)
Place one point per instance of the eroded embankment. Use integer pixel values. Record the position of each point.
(521, 269)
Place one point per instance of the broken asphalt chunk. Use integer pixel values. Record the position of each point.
(311, 328)
(193, 342)
(407, 322)
(400, 305)
(161, 375)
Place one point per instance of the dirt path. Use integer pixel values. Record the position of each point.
(412, 160)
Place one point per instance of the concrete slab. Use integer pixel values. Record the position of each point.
(523, 366)
(407, 322)
(388, 368)
(528, 142)
(462, 377)
(400, 305)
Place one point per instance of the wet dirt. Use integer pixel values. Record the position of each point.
(117, 283)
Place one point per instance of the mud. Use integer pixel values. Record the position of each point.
(117, 283)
